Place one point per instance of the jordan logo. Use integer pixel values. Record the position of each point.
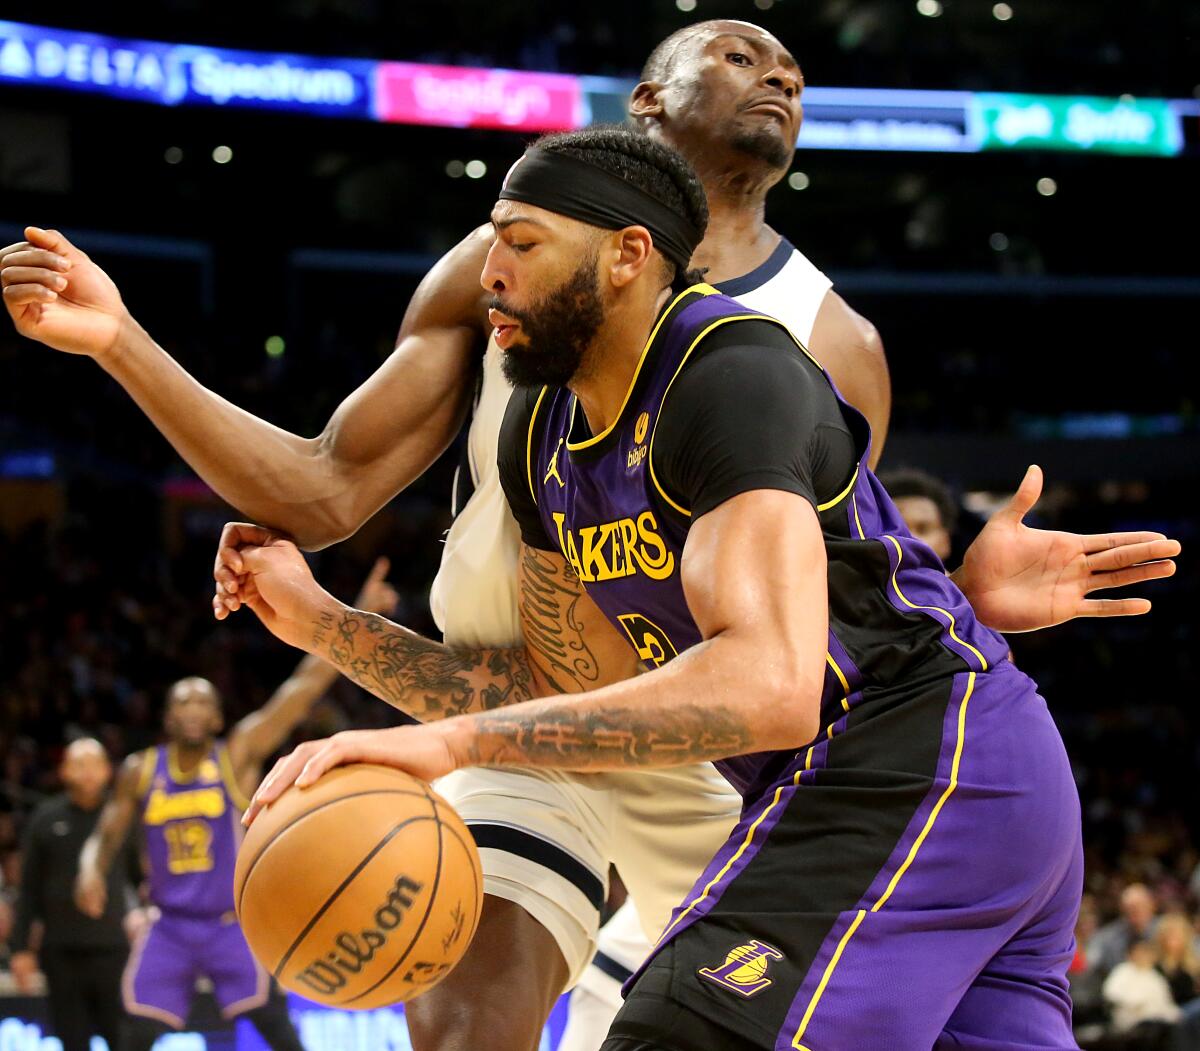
(745, 969)
(553, 472)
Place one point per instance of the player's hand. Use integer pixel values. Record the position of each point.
(1022, 579)
(24, 968)
(91, 893)
(276, 583)
(423, 751)
(58, 296)
(377, 595)
(228, 570)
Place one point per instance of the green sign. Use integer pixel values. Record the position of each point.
(1064, 122)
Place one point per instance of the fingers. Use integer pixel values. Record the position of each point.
(281, 777)
(24, 295)
(52, 240)
(24, 256)
(1133, 575)
(1116, 550)
(1113, 607)
(379, 571)
(1028, 493)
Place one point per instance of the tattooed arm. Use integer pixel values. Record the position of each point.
(754, 576)
(570, 647)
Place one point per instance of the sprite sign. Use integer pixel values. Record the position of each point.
(1063, 122)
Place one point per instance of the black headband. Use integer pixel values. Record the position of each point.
(569, 186)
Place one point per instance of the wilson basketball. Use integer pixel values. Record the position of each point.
(360, 891)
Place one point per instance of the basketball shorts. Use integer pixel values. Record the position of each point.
(546, 840)
(175, 950)
(911, 882)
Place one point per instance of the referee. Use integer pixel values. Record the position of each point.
(82, 958)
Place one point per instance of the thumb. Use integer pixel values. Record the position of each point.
(1027, 494)
(54, 241)
(379, 571)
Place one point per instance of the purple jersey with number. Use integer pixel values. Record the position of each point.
(192, 828)
(894, 616)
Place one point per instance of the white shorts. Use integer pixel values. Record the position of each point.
(547, 838)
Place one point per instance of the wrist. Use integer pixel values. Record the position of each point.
(460, 736)
(130, 338)
(325, 615)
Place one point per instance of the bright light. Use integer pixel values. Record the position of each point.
(222, 155)
(1127, 98)
(455, 169)
(1047, 187)
(999, 242)
(275, 346)
(686, 5)
(173, 155)
(476, 169)
(1002, 12)
(799, 181)
(929, 8)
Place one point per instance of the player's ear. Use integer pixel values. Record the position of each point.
(645, 104)
(633, 249)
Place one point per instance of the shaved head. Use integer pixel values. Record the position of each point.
(85, 771)
(661, 63)
(85, 747)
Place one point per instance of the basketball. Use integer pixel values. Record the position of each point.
(360, 891)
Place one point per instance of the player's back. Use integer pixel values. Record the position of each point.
(192, 830)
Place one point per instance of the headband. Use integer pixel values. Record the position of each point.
(569, 186)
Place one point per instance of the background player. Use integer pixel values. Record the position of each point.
(81, 956)
(542, 905)
(929, 508)
(187, 796)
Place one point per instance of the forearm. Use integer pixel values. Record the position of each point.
(271, 476)
(425, 679)
(702, 706)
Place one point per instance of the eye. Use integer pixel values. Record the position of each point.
(521, 247)
(739, 58)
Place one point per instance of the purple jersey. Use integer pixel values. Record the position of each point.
(193, 829)
(600, 501)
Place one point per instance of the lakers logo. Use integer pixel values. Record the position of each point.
(553, 471)
(745, 968)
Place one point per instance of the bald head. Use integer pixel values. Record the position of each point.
(85, 772)
(663, 59)
(193, 712)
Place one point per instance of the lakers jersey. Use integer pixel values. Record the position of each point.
(474, 598)
(894, 616)
(192, 828)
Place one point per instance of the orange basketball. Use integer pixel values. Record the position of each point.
(360, 891)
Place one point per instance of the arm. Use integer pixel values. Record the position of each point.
(28, 905)
(261, 732)
(849, 347)
(103, 845)
(320, 489)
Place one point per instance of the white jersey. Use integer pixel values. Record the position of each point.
(474, 598)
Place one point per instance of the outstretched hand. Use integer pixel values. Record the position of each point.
(55, 294)
(1021, 579)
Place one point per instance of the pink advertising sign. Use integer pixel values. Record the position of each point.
(457, 97)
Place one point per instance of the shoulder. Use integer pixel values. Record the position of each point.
(45, 812)
(135, 773)
(521, 418)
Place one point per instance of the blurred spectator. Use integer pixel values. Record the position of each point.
(1140, 997)
(927, 506)
(1110, 947)
(1178, 961)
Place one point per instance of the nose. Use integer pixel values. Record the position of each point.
(492, 277)
(783, 80)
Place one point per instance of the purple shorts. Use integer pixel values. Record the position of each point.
(911, 882)
(161, 975)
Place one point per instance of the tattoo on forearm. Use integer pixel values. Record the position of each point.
(423, 678)
(549, 599)
(564, 735)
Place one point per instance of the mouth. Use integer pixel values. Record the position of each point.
(503, 329)
(772, 107)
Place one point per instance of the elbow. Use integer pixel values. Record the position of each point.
(793, 708)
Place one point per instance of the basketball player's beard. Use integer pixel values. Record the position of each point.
(558, 330)
(763, 146)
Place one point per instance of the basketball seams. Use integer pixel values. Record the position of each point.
(437, 879)
(337, 893)
(300, 817)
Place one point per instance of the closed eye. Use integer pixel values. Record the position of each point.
(521, 247)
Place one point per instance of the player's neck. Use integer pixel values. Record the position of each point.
(189, 756)
(738, 238)
(603, 381)
(84, 800)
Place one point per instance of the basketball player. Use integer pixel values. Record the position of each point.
(546, 839)
(929, 508)
(188, 795)
(907, 870)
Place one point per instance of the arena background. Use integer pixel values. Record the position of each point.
(1012, 200)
